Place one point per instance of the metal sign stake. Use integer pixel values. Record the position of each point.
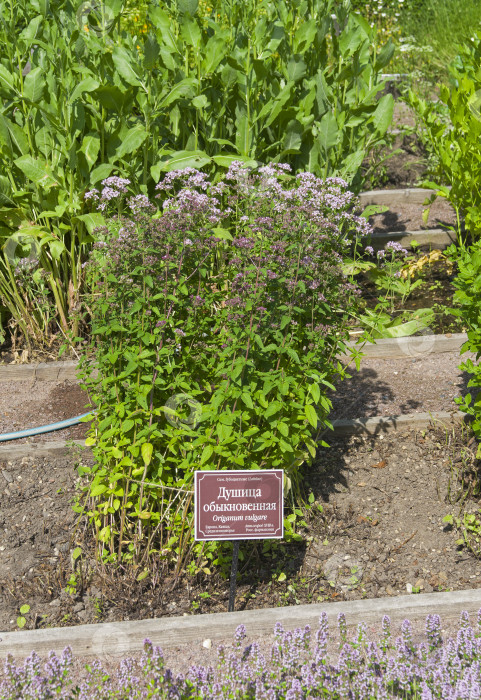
(233, 574)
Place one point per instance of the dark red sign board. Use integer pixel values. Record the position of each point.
(239, 505)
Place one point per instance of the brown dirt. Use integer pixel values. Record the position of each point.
(411, 165)
(408, 217)
(426, 382)
(382, 498)
(26, 404)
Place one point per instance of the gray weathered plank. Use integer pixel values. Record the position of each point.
(57, 448)
(127, 637)
(412, 346)
(435, 238)
(45, 371)
(411, 195)
(381, 424)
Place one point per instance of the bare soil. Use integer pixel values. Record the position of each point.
(382, 497)
(381, 530)
(25, 404)
(409, 217)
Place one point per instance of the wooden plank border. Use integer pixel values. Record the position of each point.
(415, 346)
(382, 424)
(124, 638)
(53, 448)
(435, 238)
(43, 371)
(411, 195)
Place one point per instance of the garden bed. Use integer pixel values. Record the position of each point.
(382, 500)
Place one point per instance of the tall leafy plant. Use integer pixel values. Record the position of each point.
(216, 325)
(455, 139)
(467, 297)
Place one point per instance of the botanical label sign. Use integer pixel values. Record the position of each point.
(239, 505)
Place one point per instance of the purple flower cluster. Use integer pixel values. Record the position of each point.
(113, 189)
(297, 667)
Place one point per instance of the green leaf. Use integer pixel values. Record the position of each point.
(272, 408)
(214, 52)
(207, 453)
(162, 21)
(110, 97)
(311, 415)
(327, 132)
(296, 69)
(34, 85)
(18, 137)
(36, 171)
(190, 32)
(184, 88)
(304, 36)
(315, 392)
(146, 451)
(384, 56)
(6, 80)
(132, 140)
(222, 233)
(25, 609)
(246, 398)
(188, 6)
(372, 209)
(90, 148)
(151, 52)
(89, 84)
(91, 221)
(32, 29)
(243, 137)
(382, 117)
(98, 490)
(124, 64)
(225, 161)
(293, 137)
(101, 172)
(184, 159)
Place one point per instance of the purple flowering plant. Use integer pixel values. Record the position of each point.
(389, 269)
(299, 665)
(232, 295)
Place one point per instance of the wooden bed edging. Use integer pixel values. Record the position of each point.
(413, 195)
(412, 346)
(434, 238)
(381, 424)
(105, 639)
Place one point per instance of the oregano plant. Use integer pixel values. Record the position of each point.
(217, 318)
